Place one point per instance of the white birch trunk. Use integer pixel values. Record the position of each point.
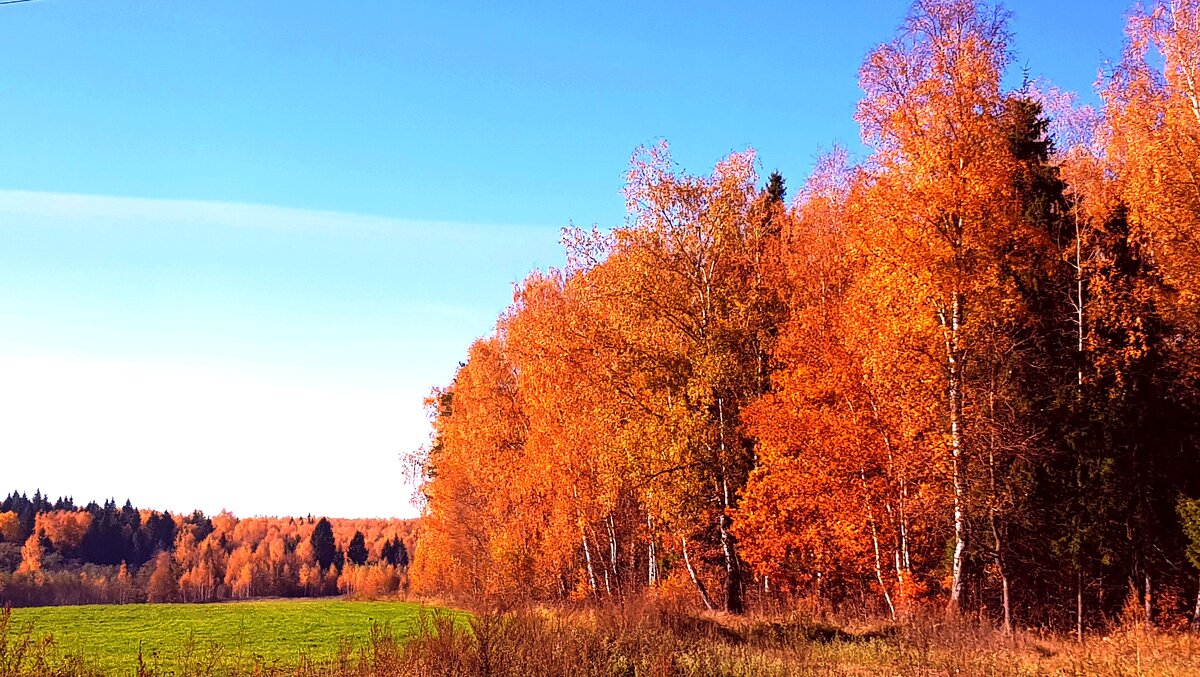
(651, 555)
(887, 597)
(687, 561)
(591, 570)
(613, 551)
(734, 598)
(1148, 600)
(954, 398)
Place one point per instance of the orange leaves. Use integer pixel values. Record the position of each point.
(609, 399)
(474, 485)
(10, 526)
(373, 581)
(64, 528)
(31, 555)
(940, 72)
(846, 385)
(163, 585)
(904, 292)
(1152, 110)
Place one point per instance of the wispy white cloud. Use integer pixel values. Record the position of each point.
(83, 208)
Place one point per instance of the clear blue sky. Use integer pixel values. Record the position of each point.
(241, 238)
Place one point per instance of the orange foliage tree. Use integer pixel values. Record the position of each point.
(64, 528)
(10, 527)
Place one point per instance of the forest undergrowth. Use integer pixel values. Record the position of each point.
(653, 639)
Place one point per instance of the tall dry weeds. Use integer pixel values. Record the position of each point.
(646, 638)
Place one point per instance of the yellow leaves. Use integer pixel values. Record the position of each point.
(1152, 111)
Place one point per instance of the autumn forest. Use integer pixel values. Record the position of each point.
(956, 375)
(54, 552)
(959, 374)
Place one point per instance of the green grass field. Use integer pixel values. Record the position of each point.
(274, 632)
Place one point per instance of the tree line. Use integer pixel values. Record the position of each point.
(57, 553)
(960, 372)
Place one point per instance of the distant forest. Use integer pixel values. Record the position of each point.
(960, 374)
(58, 553)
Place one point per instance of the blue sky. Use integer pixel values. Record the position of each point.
(239, 241)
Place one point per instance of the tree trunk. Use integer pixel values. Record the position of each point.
(687, 561)
(613, 552)
(651, 555)
(734, 593)
(954, 398)
(900, 521)
(997, 543)
(591, 570)
(1148, 599)
(1079, 605)
(1196, 612)
(1079, 333)
(734, 598)
(1008, 627)
(1079, 356)
(887, 597)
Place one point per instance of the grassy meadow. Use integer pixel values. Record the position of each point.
(183, 638)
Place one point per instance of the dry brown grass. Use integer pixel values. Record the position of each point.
(649, 639)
